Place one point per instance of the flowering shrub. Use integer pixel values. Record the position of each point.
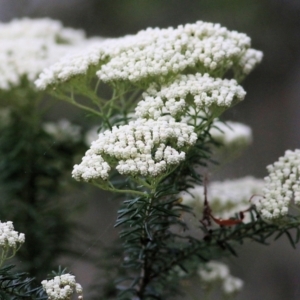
(158, 133)
(176, 82)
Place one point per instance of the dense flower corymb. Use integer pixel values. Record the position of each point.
(159, 52)
(30, 45)
(62, 287)
(281, 186)
(154, 54)
(145, 147)
(205, 92)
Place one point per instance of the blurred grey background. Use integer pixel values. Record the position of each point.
(271, 108)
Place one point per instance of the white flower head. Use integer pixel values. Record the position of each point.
(282, 185)
(62, 287)
(156, 54)
(30, 45)
(161, 52)
(205, 91)
(72, 65)
(145, 147)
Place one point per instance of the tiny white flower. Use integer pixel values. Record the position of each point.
(30, 45)
(145, 147)
(281, 186)
(62, 287)
(205, 90)
(156, 53)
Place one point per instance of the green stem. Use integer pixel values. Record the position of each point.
(144, 273)
(87, 109)
(73, 101)
(97, 86)
(142, 182)
(113, 189)
(82, 90)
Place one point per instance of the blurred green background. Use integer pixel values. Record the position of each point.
(271, 108)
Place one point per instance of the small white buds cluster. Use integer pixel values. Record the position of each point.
(281, 186)
(10, 241)
(159, 52)
(62, 287)
(145, 147)
(71, 65)
(214, 273)
(225, 198)
(92, 167)
(156, 54)
(28, 46)
(205, 91)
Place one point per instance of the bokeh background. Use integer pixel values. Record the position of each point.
(271, 108)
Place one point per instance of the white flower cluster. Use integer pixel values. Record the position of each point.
(71, 65)
(9, 237)
(206, 91)
(62, 287)
(63, 131)
(158, 52)
(215, 272)
(231, 134)
(96, 52)
(92, 167)
(145, 147)
(281, 186)
(155, 52)
(225, 198)
(30, 45)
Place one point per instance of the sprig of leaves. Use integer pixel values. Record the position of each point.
(17, 286)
